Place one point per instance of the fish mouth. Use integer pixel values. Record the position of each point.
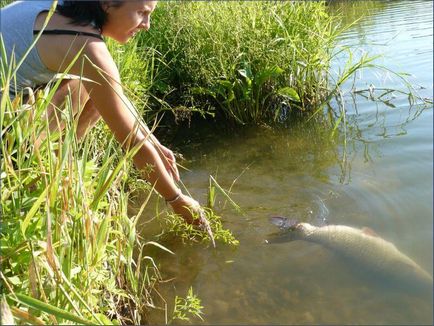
(286, 227)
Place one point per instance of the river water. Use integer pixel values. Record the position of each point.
(377, 174)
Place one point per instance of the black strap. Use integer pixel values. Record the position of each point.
(68, 32)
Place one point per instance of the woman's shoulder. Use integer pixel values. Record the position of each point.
(59, 50)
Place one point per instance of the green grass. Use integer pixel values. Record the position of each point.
(67, 242)
(246, 61)
(240, 62)
(69, 251)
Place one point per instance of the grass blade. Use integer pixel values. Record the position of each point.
(50, 309)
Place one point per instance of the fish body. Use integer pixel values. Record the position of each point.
(367, 249)
(370, 250)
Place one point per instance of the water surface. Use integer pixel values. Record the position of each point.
(378, 173)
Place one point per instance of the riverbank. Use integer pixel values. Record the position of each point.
(237, 63)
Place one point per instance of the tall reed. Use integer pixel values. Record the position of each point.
(245, 60)
(66, 240)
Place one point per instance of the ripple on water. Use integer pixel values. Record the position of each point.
(388, 187)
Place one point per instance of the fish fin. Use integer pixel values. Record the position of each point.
(369, 231)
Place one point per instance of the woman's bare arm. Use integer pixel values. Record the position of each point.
(117, 112)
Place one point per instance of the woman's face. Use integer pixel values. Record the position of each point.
(124, 21)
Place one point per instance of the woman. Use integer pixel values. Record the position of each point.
(78, 26)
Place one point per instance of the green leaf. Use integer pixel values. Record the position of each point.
(225, 83)
(101, 239)
(156, 244)
(246, 74)
(202, 91)
(290, 93)
(48, 308)
(266, 74)
(15, 280)
(105, 320)
(243, 73)
(33, 211)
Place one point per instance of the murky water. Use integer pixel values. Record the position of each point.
(381, 178)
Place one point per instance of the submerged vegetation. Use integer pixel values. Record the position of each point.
(69, 251)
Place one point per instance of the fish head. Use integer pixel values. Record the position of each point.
(286, 226)
(284, 223)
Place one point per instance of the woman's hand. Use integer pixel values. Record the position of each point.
(169, 161)
(192, 213)
(187, 208)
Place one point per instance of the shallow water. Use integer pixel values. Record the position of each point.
(382, 177)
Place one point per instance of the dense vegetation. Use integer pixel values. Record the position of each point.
(246, 62)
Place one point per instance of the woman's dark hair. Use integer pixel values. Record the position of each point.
(86, 12)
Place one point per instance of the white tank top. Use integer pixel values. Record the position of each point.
(17, 21)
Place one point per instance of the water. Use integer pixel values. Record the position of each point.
(382, 178)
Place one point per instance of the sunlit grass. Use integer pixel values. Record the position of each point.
(67, 242)
(247, 61)
(242, 62)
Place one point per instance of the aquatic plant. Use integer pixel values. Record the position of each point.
(186, 307)
(177, 227)
(247, 61)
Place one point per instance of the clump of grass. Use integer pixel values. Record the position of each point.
(190, 233)
(187, 307)
(246, 61)
(66, 240)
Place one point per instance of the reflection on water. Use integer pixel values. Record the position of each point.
(385, 182)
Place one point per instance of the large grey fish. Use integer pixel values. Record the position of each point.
(360, 245)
